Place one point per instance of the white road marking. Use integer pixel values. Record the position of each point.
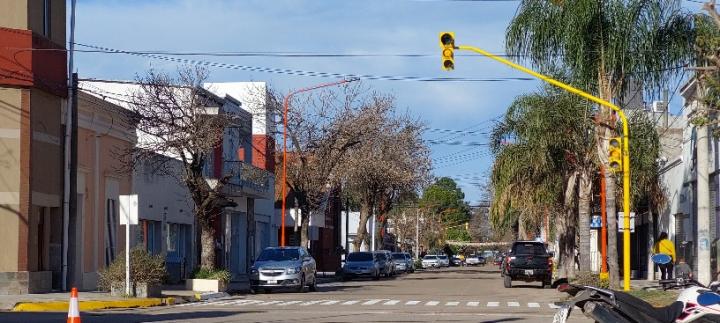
(473, 303)
(452, 303)
(373, 301)
(270, 303)
(312, 302)
(513, 304)
(412, 302)
(533, 305)
(493, 304)
(243, 302)
(330, 303)
(551, 305)
(350, 303)
(392, 302)
(432, 303)
(289, 303)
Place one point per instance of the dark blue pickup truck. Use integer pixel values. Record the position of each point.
(527, 261)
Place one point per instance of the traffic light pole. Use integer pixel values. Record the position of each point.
(286, 106)
(625, 151)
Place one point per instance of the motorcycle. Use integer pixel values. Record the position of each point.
(696, 303)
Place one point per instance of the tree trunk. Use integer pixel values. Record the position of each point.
(585, 189)
(207, 241)
(304, 226)
(612, 231)
(565, 232)
(365, 208)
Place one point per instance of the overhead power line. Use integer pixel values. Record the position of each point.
(286, 71)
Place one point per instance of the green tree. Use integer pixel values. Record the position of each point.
(545, 155)
(607, 46)
(445, 200)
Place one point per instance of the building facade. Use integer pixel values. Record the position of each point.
(33, 90)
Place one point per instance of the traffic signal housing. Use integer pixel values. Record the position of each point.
(447, 44)
(615, 155)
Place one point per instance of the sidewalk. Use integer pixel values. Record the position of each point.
(93, 300)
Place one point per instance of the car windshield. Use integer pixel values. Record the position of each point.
(430, 257)
(398, 256)
(442, 257)
(529, 249)
(360, 256)
(279, 254)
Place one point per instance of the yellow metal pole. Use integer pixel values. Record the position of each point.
(625, 152)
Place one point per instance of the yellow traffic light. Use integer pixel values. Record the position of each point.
(615, 155)
(447, 44)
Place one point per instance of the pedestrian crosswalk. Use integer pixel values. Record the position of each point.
(372, 302)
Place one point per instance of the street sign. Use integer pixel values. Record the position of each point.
(621, 222)
(595, 222)
(129, 209)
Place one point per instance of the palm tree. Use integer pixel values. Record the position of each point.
(606, 46)
(545, 152)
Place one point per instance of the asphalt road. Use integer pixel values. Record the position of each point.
(469, 294)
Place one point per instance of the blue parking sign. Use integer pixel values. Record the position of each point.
(595, 222)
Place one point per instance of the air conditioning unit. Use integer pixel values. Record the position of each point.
(659, 106)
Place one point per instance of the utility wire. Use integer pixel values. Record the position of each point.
(309, 73)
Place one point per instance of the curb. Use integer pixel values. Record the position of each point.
(91, 305)
(208, 296)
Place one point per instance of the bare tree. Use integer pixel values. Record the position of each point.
(321, 129)
(393, 159)
(176, 117)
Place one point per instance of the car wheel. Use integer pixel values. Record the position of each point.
(313, 286)
(345, 278)
(253, 291)
(267, 290)
(301, 288)
(507, 281)
(377, 275)
(545, 284)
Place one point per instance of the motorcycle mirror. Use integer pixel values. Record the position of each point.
(661, 258)
(708, 299)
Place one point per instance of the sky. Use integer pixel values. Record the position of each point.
(331, 27)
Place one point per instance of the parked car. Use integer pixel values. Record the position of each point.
(474, 260)
(283, 267)
(386, 260)
(361, 264)
(457, 261)
(527, 261)
(443, 261)
(430, 261)
(403, 262)
(498, 259)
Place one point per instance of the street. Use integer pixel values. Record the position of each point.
(467, 294)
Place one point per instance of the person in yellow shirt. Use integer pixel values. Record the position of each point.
(664, 245)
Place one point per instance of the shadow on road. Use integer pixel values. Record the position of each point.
(115, 316)
(509, 319)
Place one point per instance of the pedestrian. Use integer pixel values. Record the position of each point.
(683, 270)
(665, 246)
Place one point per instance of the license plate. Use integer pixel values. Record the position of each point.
(529, 272)
(562, 314)
(272, 282)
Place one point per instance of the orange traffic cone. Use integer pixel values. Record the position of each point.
(73, 309)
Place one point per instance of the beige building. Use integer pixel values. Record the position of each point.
(32, 92)
(104, 138)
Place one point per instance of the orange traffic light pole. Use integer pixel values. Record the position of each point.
(286, 106)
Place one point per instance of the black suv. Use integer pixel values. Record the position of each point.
(527, 261)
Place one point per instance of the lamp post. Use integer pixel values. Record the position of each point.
(286, 104)
(447, 43)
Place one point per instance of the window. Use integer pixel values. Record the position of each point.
(111, 220)
(46, 17)
(152, 233)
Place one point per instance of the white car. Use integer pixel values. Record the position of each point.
(430, 261)
(474, 260)
(443, 260)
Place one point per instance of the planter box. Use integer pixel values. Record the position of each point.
(141, 290)
(205, 285)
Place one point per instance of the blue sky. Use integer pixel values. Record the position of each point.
(329, 26)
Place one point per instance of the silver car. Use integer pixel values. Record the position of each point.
(283, 267)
